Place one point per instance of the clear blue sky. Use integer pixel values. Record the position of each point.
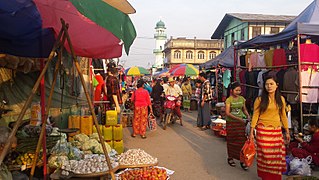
(192, 18)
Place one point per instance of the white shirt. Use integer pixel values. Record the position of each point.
(173, 91)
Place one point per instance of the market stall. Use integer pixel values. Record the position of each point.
(291, 56)
(114, 49)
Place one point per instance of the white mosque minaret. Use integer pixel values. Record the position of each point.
(160, 39)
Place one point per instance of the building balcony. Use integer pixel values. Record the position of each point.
(164, 36)
(157, 51)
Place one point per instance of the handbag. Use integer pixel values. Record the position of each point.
(247, 153)
(151, 122)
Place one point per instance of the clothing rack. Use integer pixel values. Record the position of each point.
(269, 67)
(286, 92)
(299, 69)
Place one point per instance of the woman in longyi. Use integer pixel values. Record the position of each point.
(268, 118)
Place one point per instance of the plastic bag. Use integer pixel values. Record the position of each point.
(75, 154)
(61, 148)
(247, 153)
(151, 122)
(300, 166)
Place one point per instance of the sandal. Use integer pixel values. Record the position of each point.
(133, 135)
(243, 165)
(231, 162)
(143, 136)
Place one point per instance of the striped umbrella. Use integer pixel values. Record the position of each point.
(184, 70)
(136, 71)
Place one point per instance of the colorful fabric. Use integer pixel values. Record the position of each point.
(270, 117)
(140, 120)
(235, 138)
(271, 151)
(236, 106)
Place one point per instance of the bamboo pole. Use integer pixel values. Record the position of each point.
(28, 102)
(34, 162)
(89, 102)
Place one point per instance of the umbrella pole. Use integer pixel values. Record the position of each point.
(28, 102)
(89, 101)
(56, 70)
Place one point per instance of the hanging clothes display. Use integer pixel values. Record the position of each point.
(269, 57)
(309, 53)
(291, 83)
(310, 78)
(261, 60)
(279, 57)
(226, 78)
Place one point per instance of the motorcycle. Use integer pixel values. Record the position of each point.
(169, 105)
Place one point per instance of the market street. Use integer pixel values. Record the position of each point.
(190, 152)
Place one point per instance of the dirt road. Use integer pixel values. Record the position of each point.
(193, 154)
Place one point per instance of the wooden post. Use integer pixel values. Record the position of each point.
(300, 85)
(89, 102)
(28, 102)
(34, 162)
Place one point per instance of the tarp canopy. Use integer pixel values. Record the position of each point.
(226, 59)
(307, 23)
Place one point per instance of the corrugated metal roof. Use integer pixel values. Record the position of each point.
(262, 17)
(245, 17)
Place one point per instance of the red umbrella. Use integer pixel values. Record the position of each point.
(97, 29)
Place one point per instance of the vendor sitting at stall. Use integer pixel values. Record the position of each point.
(311, 148)
(5, 133)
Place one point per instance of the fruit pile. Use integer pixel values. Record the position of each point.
(146, 173)
(25, 159)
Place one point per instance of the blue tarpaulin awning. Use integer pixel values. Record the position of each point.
(307, 23)
(21, 32)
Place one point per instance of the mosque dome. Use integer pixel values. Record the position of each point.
(160, 24)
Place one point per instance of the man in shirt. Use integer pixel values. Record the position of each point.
(113, 88)
(205, 101)
(174, 90)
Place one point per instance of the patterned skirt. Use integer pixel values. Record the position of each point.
(271, 152)
(140, 120)
(235, 138)
(186, 102)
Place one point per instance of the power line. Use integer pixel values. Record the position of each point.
(144, 37)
